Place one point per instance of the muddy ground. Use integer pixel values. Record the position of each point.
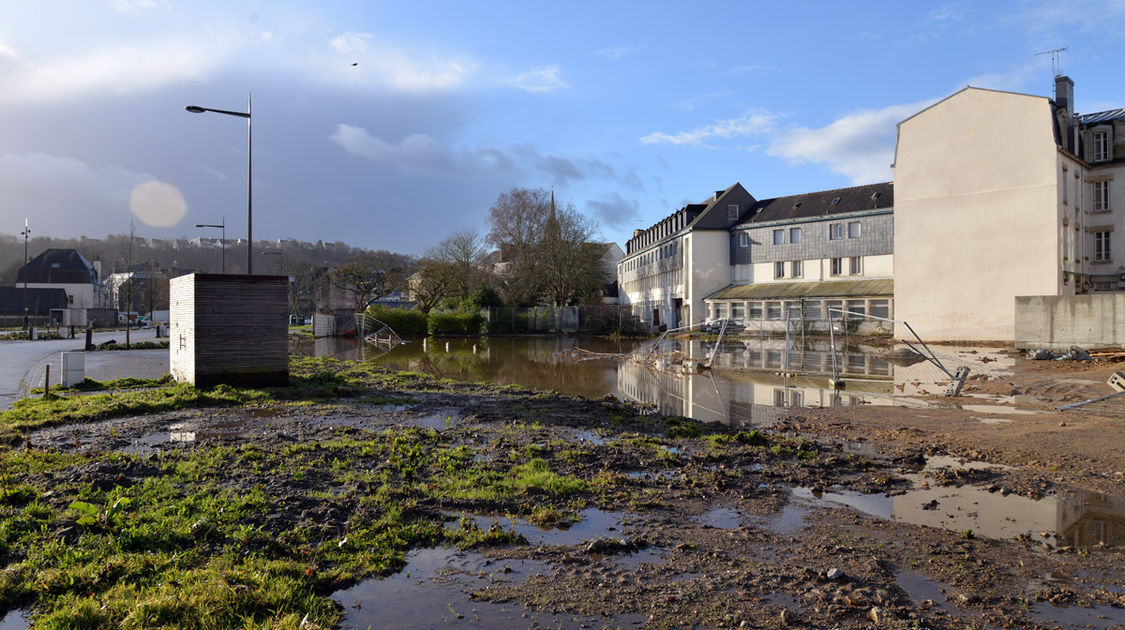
(715, 533)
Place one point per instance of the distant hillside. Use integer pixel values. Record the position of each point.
(179, 256)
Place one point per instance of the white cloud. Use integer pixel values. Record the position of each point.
(539, 80)
(69, 195)
(859, 145)
(753, 122)
(1013, 80)
(132, 6)
(381, 63)
(113, 69)
(617, 53)
(418, 152)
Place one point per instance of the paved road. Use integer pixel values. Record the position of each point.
(22, 362)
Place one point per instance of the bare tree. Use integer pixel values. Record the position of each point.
(460, 255)
(434, 281)
(370, 276)
(518, 217)
(569, 261)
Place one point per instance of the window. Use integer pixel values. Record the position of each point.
(837, 267)
(744, 239)
(793, 310)
(856, 309)
(813, 310)
(795, 269)
(732, 211)
(720, 310)
(1101, 196)
(881, 308)
(779, 269)
(835, 231)
(737, 310)
(1101, 247)
(755, 310)
(773, 310)
(855, 265)
(779, 237)
(832, 309)
(853, 229)
(1101, 145)
(795, 235)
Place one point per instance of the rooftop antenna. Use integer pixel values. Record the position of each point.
(1056, 66)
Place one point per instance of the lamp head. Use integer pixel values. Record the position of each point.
(195, 109)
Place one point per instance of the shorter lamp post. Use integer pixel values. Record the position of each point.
(223, 243)
(25, 234)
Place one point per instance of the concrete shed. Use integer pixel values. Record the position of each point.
(228, 328)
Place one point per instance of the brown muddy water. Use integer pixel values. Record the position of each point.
(755, 382)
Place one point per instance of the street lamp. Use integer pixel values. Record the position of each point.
(223, 243)
(195, 109)
(25, 233)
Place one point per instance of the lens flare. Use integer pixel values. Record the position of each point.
(158, 204)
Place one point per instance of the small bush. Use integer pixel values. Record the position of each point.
(455, 324)
(406, 323)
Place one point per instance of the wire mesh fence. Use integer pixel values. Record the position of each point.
(593, 319)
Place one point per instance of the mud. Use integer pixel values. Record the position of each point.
(877, 518)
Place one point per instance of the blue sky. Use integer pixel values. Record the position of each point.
(627, 110)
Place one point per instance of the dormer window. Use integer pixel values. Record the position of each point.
(732, 211)
(1101, 145)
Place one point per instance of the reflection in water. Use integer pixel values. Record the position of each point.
(1077, 520)
(747, 388)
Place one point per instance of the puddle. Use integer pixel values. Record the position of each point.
(993, 420)
(180, 433)
(434, 589)
(595, 523)
(920, 588)
(721, 518)
(790, 519)
(1096, 617)
(15, 620)
(443, 419)
(633, 561)
(1081, 520)
(935, 462)
(999, 409)
(591, 437)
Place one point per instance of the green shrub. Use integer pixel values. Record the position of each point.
(407, 323)
(455, 323)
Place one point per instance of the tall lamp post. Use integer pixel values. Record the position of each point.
(223, 243)
(195, 109)
(25, 233)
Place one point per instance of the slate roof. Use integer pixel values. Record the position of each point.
(1098, 117)
(39, 301)
(797, 290)
(822, 203)
(58, 266)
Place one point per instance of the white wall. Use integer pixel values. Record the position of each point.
(976, 213)
(709, 253)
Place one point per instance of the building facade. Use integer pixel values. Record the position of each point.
(1002, 195)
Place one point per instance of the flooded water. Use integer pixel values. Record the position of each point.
(1074, 519)
(434, 591)
(753, 382)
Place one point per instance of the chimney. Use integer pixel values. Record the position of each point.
(1064, 98)
(718, 193)
(98, 269)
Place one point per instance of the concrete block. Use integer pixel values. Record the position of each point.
(1117, 381)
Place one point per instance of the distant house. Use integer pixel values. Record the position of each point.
(68, 270)
(40, 303)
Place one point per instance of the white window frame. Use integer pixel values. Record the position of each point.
(855, 265)
(796, 269)
(744, 239)
(1101, 196)
(1101, 145)
(836, 267)
(835, 231)
(778, 270)
(794, 235)
(858, 229)
(779, 237)
(732, 211)
(1102, 251)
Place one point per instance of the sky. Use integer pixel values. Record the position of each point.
(389, 125)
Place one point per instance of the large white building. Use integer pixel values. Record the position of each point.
(995, 195)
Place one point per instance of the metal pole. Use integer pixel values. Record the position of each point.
(223, 246)
(249, 193)
(26, 234)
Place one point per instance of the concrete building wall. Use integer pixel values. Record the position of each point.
(876, 236)
(1058, 322)
(230, 329)
(976, 213)
(709, 270)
